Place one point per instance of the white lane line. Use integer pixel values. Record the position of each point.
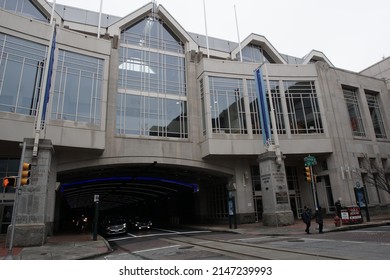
(155, 249)
(157, 234)
(166, 230)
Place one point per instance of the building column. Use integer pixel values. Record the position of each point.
(276, 200)
(31, 214)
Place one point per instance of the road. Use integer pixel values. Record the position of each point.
(191, 244)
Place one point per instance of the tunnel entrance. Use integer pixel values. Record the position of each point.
(166, 194)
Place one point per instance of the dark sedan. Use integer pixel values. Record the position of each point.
(140, 223)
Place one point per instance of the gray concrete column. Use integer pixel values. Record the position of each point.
(276, 200)
(33, 203)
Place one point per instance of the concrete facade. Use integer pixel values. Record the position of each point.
(78, 145)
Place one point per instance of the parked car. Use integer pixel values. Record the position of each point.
(140, 223)
(113, 226)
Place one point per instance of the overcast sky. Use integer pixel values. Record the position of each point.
(353, 34)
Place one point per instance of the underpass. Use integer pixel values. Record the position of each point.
(166, 194)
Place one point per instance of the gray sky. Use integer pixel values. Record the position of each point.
(353, 34)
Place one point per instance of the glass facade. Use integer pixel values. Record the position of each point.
(151, 96)
(350, 96)
(24, 7)
(151, 99)
(254, 107)
(78, 88)
(376, 116)
(302, 107)
(21, 74)
(227, 105)
(255, 53)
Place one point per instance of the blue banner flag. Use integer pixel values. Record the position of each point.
(263, 106)
(49, 76)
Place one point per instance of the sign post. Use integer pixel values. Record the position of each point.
(310, 161)
(95, 224)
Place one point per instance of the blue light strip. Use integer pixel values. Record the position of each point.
(195, 187)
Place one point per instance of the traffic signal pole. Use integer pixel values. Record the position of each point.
(313, 186)
(16, 202)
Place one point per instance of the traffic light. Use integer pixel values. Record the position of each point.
(25, 180)
(307, 174)
(9, 182)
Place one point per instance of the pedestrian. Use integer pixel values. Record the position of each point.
(319, 219)
(306, 217)
(338, 208)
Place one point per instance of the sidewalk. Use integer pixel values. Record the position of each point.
(82, 246)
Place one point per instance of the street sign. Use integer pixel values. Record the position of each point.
(96, 198)
(310, 160)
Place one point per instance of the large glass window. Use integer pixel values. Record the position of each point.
(78, 88)
(151, 96)
(24, 7)
(350, 96)
(302, 105)
(255, 53)
(277, 103)
(150, 71)
(376, 116)
(21, 74)
(227, 105)
(254, 107)
(151, 116)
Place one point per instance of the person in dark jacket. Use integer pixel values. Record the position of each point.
(319, 219)
(306, 217)
(338, 208)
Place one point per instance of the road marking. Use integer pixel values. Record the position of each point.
(166, 230)
(156, 249)
(157, 234)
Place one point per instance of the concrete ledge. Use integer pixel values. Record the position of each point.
(278, 218)
(27, 235)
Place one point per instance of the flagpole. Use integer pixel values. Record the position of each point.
(275, 145)
(52, 11)
(238, 33)
(100, 18)
(205, 24)
(40, 117)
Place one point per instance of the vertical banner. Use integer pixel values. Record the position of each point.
(263, 106)
(48, 81)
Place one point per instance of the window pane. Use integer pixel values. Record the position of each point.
(151, 69)
(350, 96)
(302, 107)
(24, 7)
(78, 88)
(227, 105)
(376, 116)
(23, 59)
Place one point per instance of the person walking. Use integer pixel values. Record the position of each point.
(306, 217)
(319, 219)
(338, 208)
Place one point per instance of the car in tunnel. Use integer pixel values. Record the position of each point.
(140, 223)
(113, 226)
